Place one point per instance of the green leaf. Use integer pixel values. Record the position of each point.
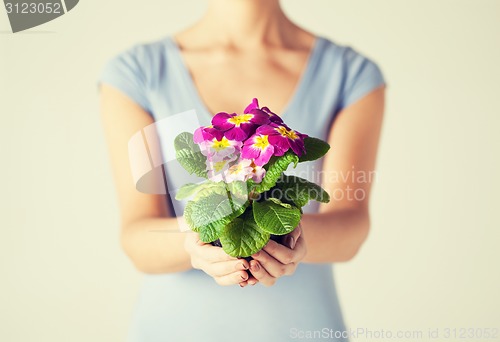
(211, 188)
(208, 215)
(299, 191)
(188, 154)
(315, 149)
(188, 190)
(198, 190)
(184, 140)
(242, 237)
(276, 217)
(238, 189)
(275, 168)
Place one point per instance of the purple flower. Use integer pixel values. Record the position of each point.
(272, 116)
(283, 138)
(207, 133)
(239, 126)
(254, 108)
(257, 147)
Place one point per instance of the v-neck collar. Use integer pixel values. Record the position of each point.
(299, 89)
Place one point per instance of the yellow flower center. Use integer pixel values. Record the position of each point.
(235, 169)
(261, 142)
(286, 133)
(221, 145)
(239, 119)
(219, 166)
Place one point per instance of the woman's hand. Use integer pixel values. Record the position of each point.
(276, 260)
(225, 269)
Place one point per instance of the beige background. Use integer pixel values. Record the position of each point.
(432, 258)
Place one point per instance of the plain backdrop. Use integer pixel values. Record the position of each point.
(431, 261)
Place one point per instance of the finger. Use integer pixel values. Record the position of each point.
(272, 266)
(232, 279)
(212, 253)
(219, 269)
(280, 252)
(252, 280)
(260, 274)
(300, 249)
(292, 237)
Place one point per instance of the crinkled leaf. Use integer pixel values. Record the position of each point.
(315, 149)
(211, 188)
(184, 140)
(276, 217)
(238, 188)
(208, 215)
(242, 237)
(299, 191)
(188, 154)
(188, 190)
(275, 168)
(198, 190)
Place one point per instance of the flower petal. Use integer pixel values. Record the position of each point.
(258, 173)
(267, 129)
(264, 156)
(259, 117)
(220, 121)
(272, 116)
(297, 146)
(237, 133)
(249, 152)
(279, 142)
(253, 105)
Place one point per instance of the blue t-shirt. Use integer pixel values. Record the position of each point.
(190, 306)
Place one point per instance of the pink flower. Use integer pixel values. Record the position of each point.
(241, 171)
(244, 170)
(283, 138)
(217, 168)
(239, 126)
(206, 133)
(257, 147)
(218, 149)
(258, 173)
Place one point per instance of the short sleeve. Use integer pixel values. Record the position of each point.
(362, 75)
(124, 72)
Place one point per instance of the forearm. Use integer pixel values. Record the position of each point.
(334, 236)
(155, 245)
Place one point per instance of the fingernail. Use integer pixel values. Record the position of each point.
(241, 285)
(255, 267)
(291, 242)
(243, 277)
(245, 267)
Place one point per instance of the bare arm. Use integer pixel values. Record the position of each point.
(141, 214)
(337, 232)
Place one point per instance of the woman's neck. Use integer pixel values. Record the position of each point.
(244, 24)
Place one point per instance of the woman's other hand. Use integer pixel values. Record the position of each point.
(225, 269)
(276, 260)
